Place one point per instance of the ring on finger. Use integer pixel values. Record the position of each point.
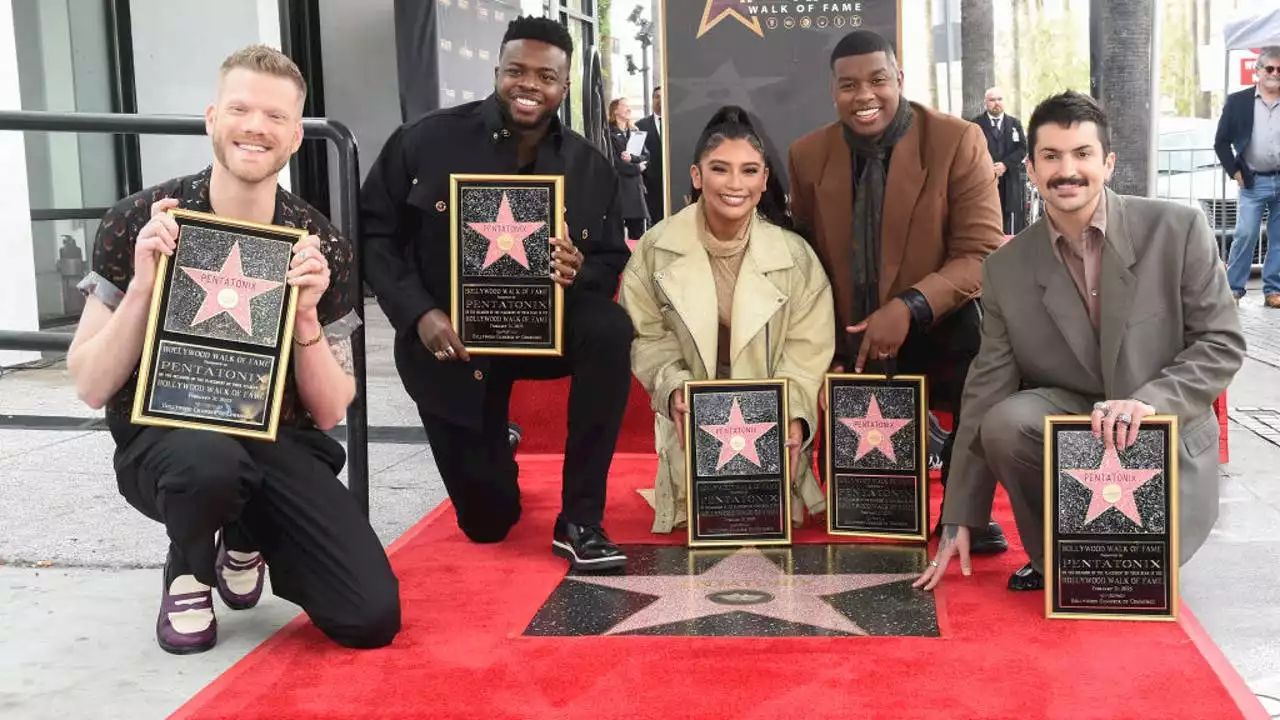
(933, 563)
(1125, 418)
(441, 355)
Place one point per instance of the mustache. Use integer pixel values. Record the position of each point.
(1064, 182)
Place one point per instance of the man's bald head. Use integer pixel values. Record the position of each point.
(995, 101)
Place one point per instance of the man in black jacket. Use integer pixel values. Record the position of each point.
(1007, 145)
(654, 194)
(463, 400)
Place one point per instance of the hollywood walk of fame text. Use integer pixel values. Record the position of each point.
(197, 382)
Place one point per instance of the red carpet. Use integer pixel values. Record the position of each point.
(462, 655)
(541, 409)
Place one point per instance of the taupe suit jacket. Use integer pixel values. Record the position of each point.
(1170, 337)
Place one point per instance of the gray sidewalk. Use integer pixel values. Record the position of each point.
(79, 569)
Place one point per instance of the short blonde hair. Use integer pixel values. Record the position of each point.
(269, 61)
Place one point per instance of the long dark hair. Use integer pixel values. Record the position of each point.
(732, 123)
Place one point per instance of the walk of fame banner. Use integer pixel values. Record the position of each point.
(446, 50)
(219, 332)
(771, 58)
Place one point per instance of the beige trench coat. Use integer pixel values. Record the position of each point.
(783, 326)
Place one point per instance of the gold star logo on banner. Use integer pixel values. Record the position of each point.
(717, 10)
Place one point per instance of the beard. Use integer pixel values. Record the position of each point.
(251, 175)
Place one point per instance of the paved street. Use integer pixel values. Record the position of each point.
(79, 569)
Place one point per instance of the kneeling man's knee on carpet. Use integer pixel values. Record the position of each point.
(491, 528)
(371, 624)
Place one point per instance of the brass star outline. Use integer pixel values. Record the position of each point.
(708, 22)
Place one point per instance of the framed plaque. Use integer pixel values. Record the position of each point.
(216, 351)
(876, 455)
(1111, 522)
(737, 466)
(504, 301)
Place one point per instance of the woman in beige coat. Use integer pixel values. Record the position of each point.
(722, 290)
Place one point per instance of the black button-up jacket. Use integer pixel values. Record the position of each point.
(405, 232)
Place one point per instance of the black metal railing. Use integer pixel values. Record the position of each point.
(348, 205)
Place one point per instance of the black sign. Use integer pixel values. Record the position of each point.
(216, 352)
(771, 58)
(1111, 547)
(876, 456)
(736, 462)
(504, 300)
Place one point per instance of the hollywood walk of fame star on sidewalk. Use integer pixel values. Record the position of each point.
(874, 431)
(229, 291)
(737, 437)
(745, 581)
(505, 235)
(1112, 486)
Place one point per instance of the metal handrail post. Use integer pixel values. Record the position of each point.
(349, 225)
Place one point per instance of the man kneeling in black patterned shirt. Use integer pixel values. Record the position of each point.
(234, 506)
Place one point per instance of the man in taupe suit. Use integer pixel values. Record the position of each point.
(1111, 306)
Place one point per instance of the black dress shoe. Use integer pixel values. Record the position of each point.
(514, 433)
(1027, 578)
(587, 548)
(988, 541)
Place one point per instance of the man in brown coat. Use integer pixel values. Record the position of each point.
(904, 244)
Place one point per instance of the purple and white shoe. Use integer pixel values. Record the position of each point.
(240, 576)
(186, 623)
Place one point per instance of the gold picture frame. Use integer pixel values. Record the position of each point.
(693, 389)
(509, 288)
(206, 359)
(1165, 429)
(918, 470)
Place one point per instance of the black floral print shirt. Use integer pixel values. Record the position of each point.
(113, 269)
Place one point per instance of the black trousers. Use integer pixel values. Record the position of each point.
(943, 353)
(478, 467)
(283, 499)
(635, 227)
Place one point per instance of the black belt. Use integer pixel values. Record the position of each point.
(1267, 173)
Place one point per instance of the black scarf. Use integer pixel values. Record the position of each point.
(868, 210)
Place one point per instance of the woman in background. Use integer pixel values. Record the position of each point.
(723, 289)
(635, 211)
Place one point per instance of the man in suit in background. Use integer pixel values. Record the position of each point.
(1110, 306)
(1248, 145)
(653, 126)
(1007, 145)
(900, 205)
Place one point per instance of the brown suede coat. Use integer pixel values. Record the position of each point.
(941, 211)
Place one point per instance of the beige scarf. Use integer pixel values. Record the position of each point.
(726, 260)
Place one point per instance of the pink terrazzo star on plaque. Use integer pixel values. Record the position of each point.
(874, 431)
(1112, 485)
(505, 235)
(229, 291)
(737, 437)
(746, 581)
